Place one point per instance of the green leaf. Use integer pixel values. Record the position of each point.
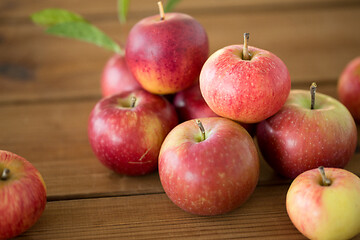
(85, 32)
(123, 7)
(170, 4)
(51, 16)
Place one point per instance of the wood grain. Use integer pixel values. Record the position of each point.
(315, 44)
(49, 85)
(15, 10)
(154, 216)
(53, 136)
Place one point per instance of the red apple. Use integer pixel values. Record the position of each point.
(126, 130)
(22, 195)
(349, 88)
(211, 170)
(190, 104)
(299, 138)
(328, 209)
(244, 90)
(166, 55)
(117, 78)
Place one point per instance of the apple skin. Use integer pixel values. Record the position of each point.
(349, 88)
(117, 78)
(166, 56)
(213, 176)
(247, 91)
(128, 140)
(297, 138)
(22, 195)
(325, 212)
(190, 104)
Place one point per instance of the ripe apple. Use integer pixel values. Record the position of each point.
(117, 78)
(165, 53)
(321, 210)
(190, 104)
(22, 195)
(299, 138)
(349, 88)
(245, 90)
(208, 166)
(126, 130)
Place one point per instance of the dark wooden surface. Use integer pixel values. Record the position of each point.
(49, 85)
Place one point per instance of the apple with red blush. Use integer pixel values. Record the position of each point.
(306, 133)
(244, 83)
(22, 195)
(208, 166)
(126, 130)
(349, 88)
(324, 203)
(166, 52)
(190, 104)
(117, 78)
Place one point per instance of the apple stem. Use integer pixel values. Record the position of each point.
(246, 55)
(5, 174)
(312, 93)
(325, 180)
(202, 129)
(161, 10)
(133, 101)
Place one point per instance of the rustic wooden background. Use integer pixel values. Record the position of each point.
(48, 86)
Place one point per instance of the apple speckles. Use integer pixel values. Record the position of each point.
(221, 175)
(113, 132)
(211, 173)
(179, 44)
(318, 141)
(315, 209)
(23, 200)
(229, 97)
(189, 176)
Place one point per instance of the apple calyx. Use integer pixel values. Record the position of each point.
(202, 129)
(5, 174)
(312, 93)
(161, 10)
(325, 180)
(246, 54)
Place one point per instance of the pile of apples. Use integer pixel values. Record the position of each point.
(209, 163)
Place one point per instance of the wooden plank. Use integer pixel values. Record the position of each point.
(315, 44)
(53, 136)
(263, 216)
(18, 9)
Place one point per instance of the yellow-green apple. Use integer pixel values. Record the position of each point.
(299, 138)
(246, 90)
(126, 130)
(22, 195)
(325, 204)
(117, 78)
(349, 88)
(208, 166)
(190, 104)
(166, 52)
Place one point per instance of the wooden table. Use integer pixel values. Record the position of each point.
(49, 85)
